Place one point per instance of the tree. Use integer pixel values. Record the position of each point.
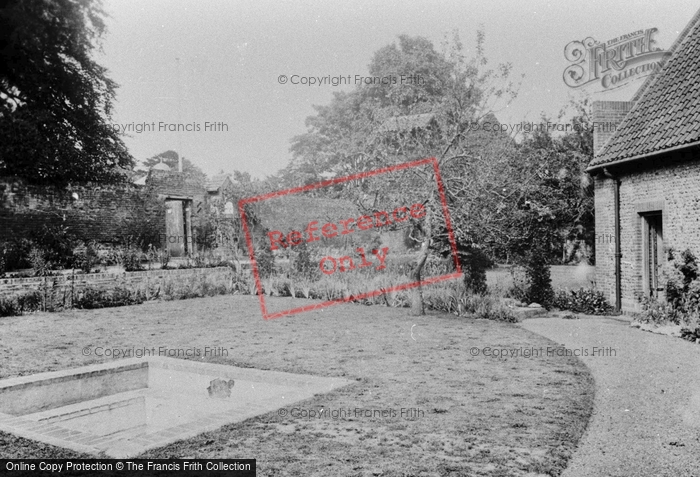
(559, 210)
(171, 159)
(359, 131)
(55, 100)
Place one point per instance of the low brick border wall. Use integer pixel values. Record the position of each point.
(70, 284)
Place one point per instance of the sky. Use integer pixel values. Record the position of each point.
(214, 66)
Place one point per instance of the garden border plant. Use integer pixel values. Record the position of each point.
(682, 305)
(299, 279)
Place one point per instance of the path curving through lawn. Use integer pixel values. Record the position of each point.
(646, 417)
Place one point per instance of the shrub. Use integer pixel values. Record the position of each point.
(130, 258)
(242, 282)
(486, 307)
(520, 284)
(302, 264)
(54, 297)
(456, 298)
(654, 311)
(14, 255)
(399, 299)
(265, 259)
(691, 335)
(92, 298)
(122, 296)
(474, 263)
(689, 305)
(159, 255)
(584, 300)
(163, 256)
(436, 266)
(142, 224)
(3, 267)
(40, 265)
(56, 244)
(204, 234)
(86, 256)
(202, 285)
(330, 288)
(29, 302)
(199, 259)
(682, 304)
(539, 288)
(9, 307)
(276, 285)
(444, 297)
(301, 288)
(109, 254)
(400, 264)
(683, 285)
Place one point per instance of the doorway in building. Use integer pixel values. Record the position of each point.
(653, 255)
(177, 227)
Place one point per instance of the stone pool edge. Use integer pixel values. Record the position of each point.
(120, 448)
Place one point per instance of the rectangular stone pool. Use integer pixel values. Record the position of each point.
(127, 406)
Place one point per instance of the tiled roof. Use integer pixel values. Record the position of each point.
(408, 123)
(667, 115)
(216, 182)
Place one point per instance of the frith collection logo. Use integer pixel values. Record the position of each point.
(614, 63)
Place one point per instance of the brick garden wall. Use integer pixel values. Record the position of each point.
(669, 184)
(92, 212)
(148, 281)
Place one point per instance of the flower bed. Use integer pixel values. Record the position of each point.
(98, 290)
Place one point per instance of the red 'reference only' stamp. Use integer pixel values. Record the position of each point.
(344, 245)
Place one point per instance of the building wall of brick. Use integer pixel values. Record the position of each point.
(605, 236)
(607, 115)
(669, 184)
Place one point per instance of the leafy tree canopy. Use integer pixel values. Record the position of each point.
(55, 100)
(350, 134)
(419, 103)
(560, 208)
(502, 195)
(171, 159)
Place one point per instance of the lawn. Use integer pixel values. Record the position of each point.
(477, 415)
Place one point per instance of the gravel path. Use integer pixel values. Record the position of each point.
(646, 417)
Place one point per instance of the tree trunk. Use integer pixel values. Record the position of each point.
(417, 306)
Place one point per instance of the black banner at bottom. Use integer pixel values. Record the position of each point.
(124, 467)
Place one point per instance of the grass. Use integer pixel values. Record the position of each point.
(480, 415)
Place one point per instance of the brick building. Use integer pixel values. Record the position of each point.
(222, 194)
(647, 176)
